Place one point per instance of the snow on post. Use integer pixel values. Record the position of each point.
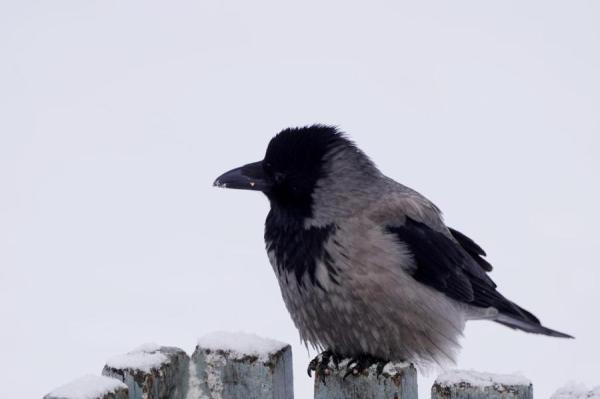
(91, 387)
(576, 391)
(240, 366)
(397, 381)
(463, 384)
(151, 372)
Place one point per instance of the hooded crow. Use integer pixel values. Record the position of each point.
(367, 268)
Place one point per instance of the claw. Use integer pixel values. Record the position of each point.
(312, 366)
(361, 363)
(349, 371)
(321, 365)
(380, 366)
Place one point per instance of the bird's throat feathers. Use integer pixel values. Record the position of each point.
(297, 250)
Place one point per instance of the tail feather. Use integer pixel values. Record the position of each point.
(528, 326)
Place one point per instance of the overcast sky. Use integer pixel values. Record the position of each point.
(117, 115)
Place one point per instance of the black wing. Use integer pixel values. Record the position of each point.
(454, 267)
(472, 249)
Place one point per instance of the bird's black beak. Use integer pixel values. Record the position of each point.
(247, 177)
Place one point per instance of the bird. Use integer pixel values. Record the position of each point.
(367, 267)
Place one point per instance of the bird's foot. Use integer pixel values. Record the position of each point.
(323, 363)
(360, 363)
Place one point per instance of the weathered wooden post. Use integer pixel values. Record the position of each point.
(463, 384)
(91, 387)
(397, 381)
(240, 366)
(151, 372)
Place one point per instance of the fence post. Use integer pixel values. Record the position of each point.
(398, 381)
(240, 366)
(151, 372)
(91, 387)
(574, 390)
(463, 384)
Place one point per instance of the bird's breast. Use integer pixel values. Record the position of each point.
(297, 252)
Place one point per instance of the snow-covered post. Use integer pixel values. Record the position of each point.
(397, 381)
(151, 372)
(91, 387)
(240, 366)
(462, 384)
(576, 391)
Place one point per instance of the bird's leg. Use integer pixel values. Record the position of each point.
(321, 364)
(360, 363)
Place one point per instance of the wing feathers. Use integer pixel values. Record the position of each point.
(472, 248)
(453, 265)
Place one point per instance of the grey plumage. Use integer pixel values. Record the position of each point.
(366, 265)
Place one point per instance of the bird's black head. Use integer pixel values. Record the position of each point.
(292, 166)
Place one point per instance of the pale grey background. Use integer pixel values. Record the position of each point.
(116, 116)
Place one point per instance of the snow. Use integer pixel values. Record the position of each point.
(392, 368)
(480, 379)
(148, 347)
(87, 387)
(145, 358)
(574, 390)
(241, 344)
